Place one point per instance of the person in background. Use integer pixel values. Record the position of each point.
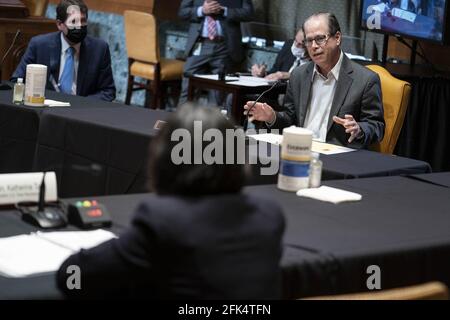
(214, 42)
(198, 237)
(337, 99)
(291, 55)
(77, 64)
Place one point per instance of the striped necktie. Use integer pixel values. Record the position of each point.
(212, 27)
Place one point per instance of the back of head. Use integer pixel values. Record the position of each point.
(189, 156)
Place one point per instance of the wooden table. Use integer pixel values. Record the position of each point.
(239, 93)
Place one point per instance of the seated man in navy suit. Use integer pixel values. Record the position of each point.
(77, 64)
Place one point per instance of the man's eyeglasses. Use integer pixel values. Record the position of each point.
(320, 40)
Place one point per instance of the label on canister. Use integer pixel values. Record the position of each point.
(36, 80)
(295, 159)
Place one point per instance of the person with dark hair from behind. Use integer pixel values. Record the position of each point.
(77, 64)
(198, 237)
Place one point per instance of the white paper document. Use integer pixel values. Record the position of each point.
(329, 194)
(268, 137)
(215, 77)
(43, 252)
(55, 103)
(317, 146)
(245, 81)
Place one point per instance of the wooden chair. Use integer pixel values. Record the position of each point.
(141, 33)
(396, 95)
(426, 291)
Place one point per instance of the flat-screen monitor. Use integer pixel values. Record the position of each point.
(416, 19)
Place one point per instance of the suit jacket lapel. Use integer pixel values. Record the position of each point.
(306, 90)
(55, 56)
(343, 85)
(82, 65)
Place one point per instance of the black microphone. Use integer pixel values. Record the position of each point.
(257, 99)
(41, 202)
(43, 215)
(6, 86)
(51, 215)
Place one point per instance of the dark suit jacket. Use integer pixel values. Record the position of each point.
(358, 92)
(285, 59)
(95, 77)
(213, 247)
(231, 25)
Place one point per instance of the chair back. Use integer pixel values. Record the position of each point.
(427, 291)
(141, 35)
(396, 95)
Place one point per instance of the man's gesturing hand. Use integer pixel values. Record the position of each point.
(260, 112)
(350, 125)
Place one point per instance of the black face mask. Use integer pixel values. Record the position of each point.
(76, 35)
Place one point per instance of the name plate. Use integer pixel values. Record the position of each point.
(17, 187)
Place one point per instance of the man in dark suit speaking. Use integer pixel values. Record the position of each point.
(77, 64)
(339, 100)
(214, 39)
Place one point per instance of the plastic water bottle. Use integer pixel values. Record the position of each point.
(315, 171)
(19, 89)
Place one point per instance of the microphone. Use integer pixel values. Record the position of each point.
(46, 216)
(54, 215)
(6, 86)
(276, 83)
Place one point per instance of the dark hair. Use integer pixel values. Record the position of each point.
(61, 9)
(190, 179)
(333, 23)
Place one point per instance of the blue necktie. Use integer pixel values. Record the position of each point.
(66, 80)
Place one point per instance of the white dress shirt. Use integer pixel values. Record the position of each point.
(322, 95)
(64, 46)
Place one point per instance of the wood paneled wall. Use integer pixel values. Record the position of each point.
(163, 9)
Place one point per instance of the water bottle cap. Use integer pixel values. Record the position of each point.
(19, 80)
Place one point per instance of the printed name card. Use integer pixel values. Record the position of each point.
(17, 187)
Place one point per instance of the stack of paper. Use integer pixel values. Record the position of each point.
(329, 194)
(40, 252)
(54, 103)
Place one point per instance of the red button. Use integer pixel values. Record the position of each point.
(95, 213)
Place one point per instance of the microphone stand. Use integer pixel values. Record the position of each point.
(254, 103)
(4, 86)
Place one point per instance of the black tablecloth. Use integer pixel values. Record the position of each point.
(401, 225)
(100, 148)
(97, 151)
(439, 178)
(19, 128)
(117, 141)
